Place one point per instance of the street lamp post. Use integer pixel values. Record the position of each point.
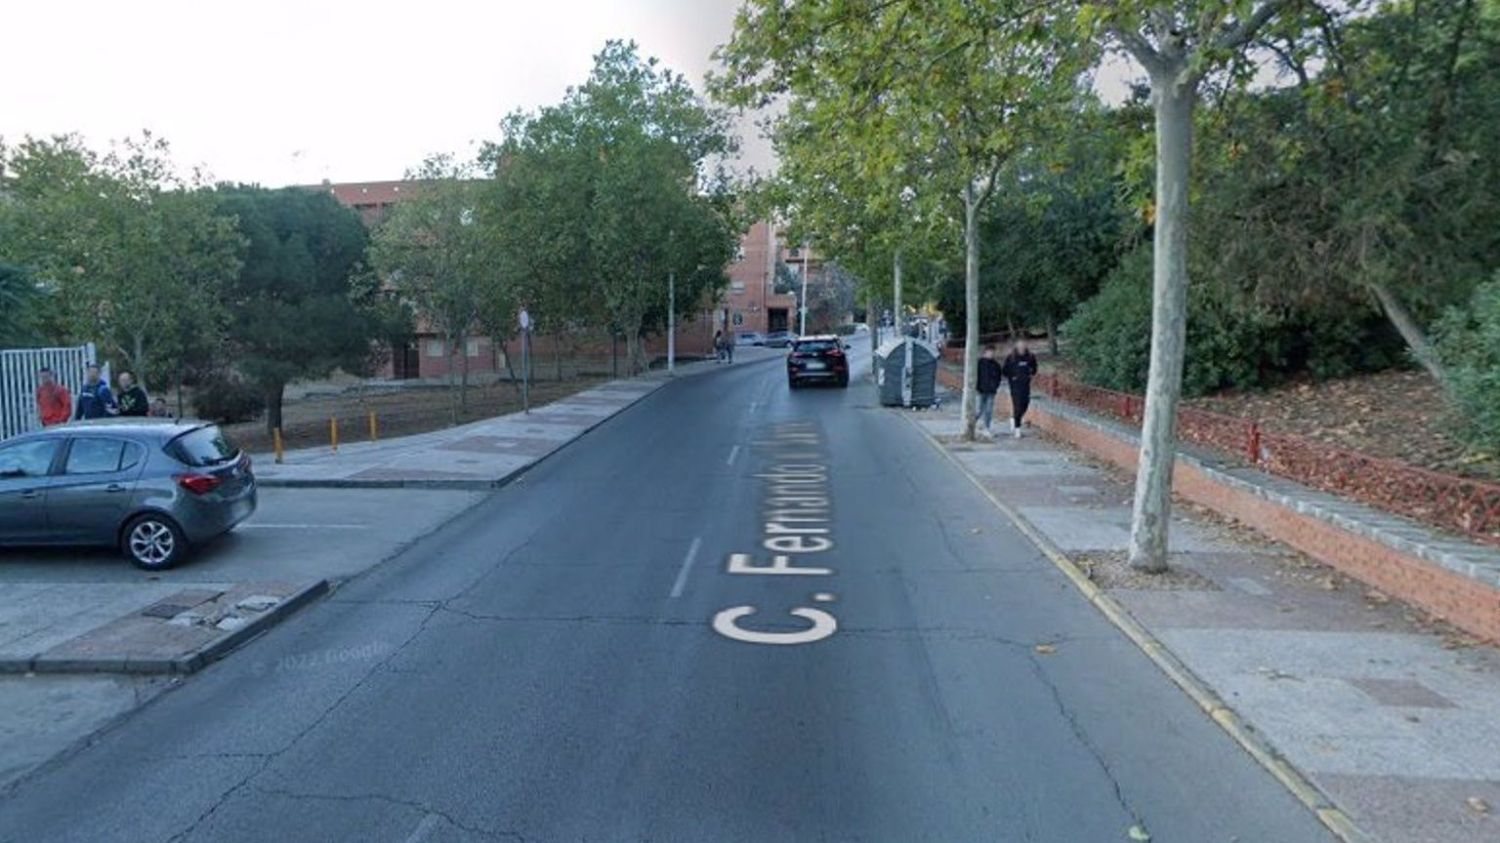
(671, 322)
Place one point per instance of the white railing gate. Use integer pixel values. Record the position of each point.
(18, 367)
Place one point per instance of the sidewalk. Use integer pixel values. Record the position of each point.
(154, 627)
(480, 455)
(1393, 718)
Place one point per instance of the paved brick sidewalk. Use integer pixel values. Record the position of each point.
(1395, 719)
(479, 455)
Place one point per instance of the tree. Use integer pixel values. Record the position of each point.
(1178, 43)
(299, 308)
(135, 255)
(18, 303)
(608, 193)
(436, 255)
(940, 93)
(1366, 185)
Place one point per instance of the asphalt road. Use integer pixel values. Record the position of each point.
(572, 659)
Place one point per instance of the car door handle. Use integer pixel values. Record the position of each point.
(114, 487)
(31, 493)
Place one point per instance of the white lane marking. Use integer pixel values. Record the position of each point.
(733, 452)
(424, 828)
(687, 565)
(274, 526)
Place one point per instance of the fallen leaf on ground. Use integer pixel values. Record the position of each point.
(1377, 597)
(1478, 806)
(1139, 834)
(975, 530)
(1045, 649)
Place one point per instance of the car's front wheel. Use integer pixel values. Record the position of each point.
(153, 542)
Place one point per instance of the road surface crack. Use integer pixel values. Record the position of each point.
(1083, 739)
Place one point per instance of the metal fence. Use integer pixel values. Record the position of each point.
(18, 368)
(1467, 505)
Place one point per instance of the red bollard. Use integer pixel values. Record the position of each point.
(1254, 443)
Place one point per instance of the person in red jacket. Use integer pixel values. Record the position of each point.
(53, 401)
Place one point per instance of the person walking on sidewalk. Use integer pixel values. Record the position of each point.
(95, 401)
(54, 404)
(1020, 367)
(987, 384)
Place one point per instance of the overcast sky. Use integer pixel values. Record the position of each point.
(280, 92)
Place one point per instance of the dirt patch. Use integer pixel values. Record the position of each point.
(1111, 569)
(398, 412)
(1396, 415)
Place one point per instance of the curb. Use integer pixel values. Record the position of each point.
(1207, 699)
(181, 665)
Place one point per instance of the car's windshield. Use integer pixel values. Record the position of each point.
(203, 447)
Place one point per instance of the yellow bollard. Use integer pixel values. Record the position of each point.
(374, 428)
(277, 445)
(333, 433)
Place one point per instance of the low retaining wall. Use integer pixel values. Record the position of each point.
(1456, 580)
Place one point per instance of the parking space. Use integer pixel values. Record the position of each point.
(295, 535)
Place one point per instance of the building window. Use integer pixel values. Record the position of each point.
(471, 348)
(737, 286)
(434, 348)
(739, 254)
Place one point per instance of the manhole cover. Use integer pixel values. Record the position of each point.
(164, 610)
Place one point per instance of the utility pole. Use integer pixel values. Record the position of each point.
(802, 326)
(671, 322)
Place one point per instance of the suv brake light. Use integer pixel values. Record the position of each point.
(198, 484)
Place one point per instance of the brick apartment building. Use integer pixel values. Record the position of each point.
(750, 303)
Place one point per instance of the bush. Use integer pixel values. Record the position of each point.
(1468, 343)
(1229, 344)
(227, 399)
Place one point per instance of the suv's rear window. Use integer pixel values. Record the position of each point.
(204, 447)
(816, 346)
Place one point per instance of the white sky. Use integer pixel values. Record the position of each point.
(280, 92)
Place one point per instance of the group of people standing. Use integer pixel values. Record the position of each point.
(55, 404)
(1017, 369)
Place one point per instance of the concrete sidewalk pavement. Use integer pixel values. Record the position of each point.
(480, 455)
(1393, 718)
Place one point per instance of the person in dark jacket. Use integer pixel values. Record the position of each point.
(95, 401)
(1020, 367)
(987, 384)
(132, 400)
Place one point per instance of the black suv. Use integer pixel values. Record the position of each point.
(817, 359)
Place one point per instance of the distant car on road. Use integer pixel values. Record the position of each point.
(749, 338)
(817, 359)
(152, 488)
(780, 339)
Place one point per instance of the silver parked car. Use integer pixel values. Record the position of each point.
(150, 487)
